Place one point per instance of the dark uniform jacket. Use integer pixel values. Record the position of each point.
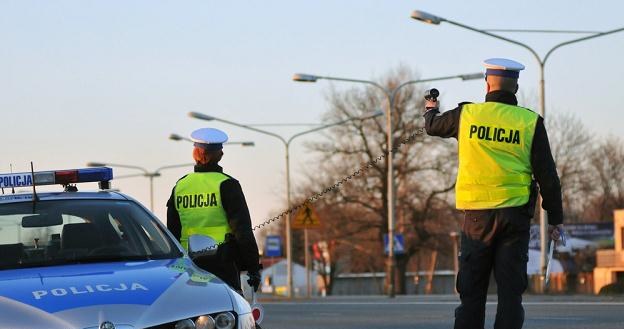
(235, 206)
(544, 168)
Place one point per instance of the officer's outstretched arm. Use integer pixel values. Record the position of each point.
(442, 124)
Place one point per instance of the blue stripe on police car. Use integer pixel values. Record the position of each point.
(59, 288)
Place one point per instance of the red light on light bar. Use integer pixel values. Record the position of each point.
(66, 177)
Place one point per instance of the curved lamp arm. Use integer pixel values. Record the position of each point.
(202, 116)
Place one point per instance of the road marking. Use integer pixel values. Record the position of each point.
(328, 314)
(554, 318)
(445, 303)
(576, 303)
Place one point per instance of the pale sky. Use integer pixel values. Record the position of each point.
(108, 81)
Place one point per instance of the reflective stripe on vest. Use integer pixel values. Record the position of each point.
(198, 201)
(494, 156)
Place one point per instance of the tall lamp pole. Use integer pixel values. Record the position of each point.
(390, 96)
(286, 142)
(436, 20)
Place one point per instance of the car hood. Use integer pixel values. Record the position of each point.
(136, 294)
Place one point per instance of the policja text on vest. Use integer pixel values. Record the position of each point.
(498, 135)
(196, 200)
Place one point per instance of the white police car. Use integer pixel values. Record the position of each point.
(100, 260)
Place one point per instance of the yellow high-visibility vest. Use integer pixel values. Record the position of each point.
(494, 156)
(198, 201)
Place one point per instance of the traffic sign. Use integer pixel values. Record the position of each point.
(273, 246)
(306, 218)
(399, 244)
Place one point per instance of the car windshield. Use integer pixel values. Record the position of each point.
(77, 231)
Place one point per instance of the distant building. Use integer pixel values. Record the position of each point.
(610, 263)
(274, 280)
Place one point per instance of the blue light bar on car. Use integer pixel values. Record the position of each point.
(62, 177)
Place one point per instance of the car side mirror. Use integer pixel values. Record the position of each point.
(201, 246)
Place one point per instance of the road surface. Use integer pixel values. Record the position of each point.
(436, 312)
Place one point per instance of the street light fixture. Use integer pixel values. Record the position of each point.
(301, 77)
(427, 17)
(435, 20)
(286, 142)
(390, 97)
(472, 76)
(146, 173)
(176, 137)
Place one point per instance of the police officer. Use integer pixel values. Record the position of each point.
(211, 203)
(503, 150)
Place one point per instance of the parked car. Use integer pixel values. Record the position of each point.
(100, 260)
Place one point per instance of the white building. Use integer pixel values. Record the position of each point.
(274, 280)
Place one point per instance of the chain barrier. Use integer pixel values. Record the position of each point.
(317, 196)
(360, 172)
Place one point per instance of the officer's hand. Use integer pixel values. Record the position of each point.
(555, 232)
(429, 104)
(254, 279)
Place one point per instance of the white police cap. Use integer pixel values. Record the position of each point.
(209, 138)
(503, 67)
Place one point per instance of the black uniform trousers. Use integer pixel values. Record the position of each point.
(498, 240)
(223, 265)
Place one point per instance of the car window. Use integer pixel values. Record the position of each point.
(74, 231)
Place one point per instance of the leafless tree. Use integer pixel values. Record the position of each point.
(424, 170)
(590, 169)
(571, 145)
(607, 162)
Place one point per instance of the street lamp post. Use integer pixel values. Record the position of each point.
(436, 20)
(455, 237)
(390, 96)
(286, 143)
(146, 173)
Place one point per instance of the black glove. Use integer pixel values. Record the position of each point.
(254, 279)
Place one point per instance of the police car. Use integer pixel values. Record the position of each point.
(100, 260)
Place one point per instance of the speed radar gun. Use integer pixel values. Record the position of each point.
(553, 245)
(432, 95)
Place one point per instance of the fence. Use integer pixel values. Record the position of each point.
(443, 282)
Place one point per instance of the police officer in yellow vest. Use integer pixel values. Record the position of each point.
(211, 203)
(503, 152)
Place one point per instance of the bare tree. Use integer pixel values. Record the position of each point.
(345, 228)
(424, 171)
(571, 145)
(607, 162)
(590, 169)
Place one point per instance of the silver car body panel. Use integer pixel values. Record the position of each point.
(133, 294)
(139, 294)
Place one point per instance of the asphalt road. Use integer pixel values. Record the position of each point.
(436, 312)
